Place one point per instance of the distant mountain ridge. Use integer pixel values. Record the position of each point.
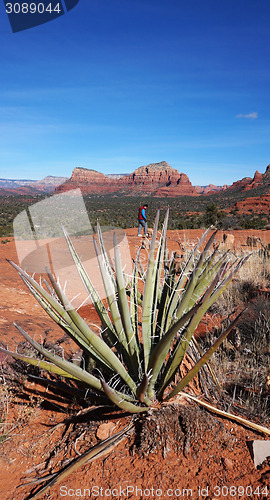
(210, 189)
(156, 179)
(28, 187)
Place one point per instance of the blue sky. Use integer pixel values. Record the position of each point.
(113, 85)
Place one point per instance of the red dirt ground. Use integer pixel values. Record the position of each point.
(215, 465)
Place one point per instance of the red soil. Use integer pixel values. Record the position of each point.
(211, 466)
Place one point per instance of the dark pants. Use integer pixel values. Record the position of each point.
(142, 224)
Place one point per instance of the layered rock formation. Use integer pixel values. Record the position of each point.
(258, 204)
(156, 179)
(89, 182)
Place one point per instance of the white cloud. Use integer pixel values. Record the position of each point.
(249, 116)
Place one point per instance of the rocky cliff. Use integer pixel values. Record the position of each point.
(89, 182)
(248, 183)
(156, 179)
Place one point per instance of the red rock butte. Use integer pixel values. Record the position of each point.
(156, 179)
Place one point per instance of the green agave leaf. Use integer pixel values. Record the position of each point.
(57, 312)
(147, 326)
(168, 286)
(186, 336)
(141, 270)
(159, 263)
(204, 359)
(120, 402)
(134, 301)
(43, 365)
(193, 280)
(105, 256)
(161, 350)
(71, 369)
(209, 365)
(98, 344)
(209, 298)
(70, 328)
(99, 306)
(66, 366)
(181, 283)
(125, 312)
(112, 301)
(206, 278)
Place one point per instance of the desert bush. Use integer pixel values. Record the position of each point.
(255, 276)
(244, 370)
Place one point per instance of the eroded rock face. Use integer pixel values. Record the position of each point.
(258, 204)
(178, 187)
(157, 179)
(247, 183)
(89, 182)
(240, 185)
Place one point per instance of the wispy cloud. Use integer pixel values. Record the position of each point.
(249, 116)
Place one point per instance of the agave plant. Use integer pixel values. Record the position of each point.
(148, 319)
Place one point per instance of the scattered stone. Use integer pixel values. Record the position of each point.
(227, 463)
(104, 431)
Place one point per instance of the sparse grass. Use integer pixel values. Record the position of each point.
(255, 276)
(244, 370)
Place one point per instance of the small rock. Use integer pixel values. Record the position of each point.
(227, 463)
(104, 431)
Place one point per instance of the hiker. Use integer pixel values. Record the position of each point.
(142, 219)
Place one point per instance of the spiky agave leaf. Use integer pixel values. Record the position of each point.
(66, 366)
(91, 291)
(148, 297)
(217, 287)
(94, 344)
(98, 344)
(39, 363)
(119, 401)
(124, 309)
(204, 359)
(179, 286)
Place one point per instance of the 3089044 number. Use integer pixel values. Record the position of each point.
(240, 491)
(32, 8)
